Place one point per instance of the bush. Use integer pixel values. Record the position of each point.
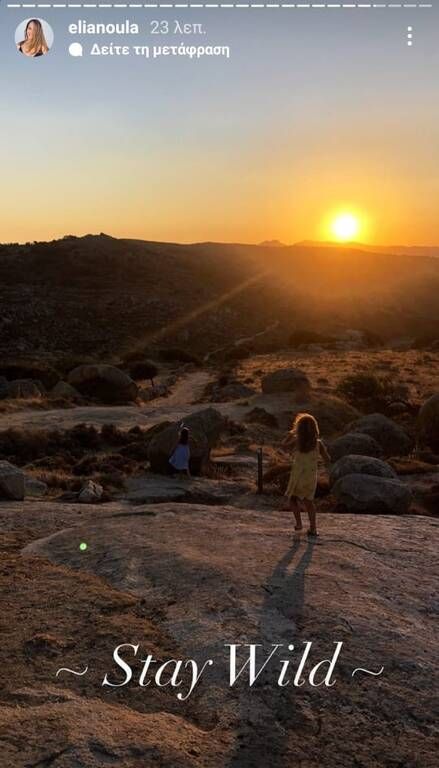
(112, 435)
(422, 342)
(367, 391)
(358, 386)
(303, 336)
(175, 355)
(137, 354)
(372, 339)
(143, 369)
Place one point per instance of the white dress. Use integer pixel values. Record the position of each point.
(180, 458)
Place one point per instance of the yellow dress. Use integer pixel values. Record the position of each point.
(303, 476)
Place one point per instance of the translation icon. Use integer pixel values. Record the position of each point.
(75, 49)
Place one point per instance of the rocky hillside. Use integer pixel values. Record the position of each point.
(100, 296)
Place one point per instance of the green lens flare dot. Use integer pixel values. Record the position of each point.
(83, 546)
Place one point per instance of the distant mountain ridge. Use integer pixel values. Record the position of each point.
(98, 295)
(396, 250)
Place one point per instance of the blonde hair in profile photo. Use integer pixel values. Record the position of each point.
(34, 42)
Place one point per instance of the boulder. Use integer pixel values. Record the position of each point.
(152, 393)
(389, 435)
(64, 391)
(428, 422)
(12, 482)
(157, 489)
(361, 465)
(372, 495)
(25, 389)
(286, 380)
(103, 382)
(33, 370)
(332, 413)
(204, 428)
(233, 390)
(261, 416)
(90, 493)
(34, 487)
(354, 443)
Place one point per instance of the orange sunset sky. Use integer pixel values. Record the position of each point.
(273, 144)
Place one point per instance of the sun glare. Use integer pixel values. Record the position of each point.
(345, 227)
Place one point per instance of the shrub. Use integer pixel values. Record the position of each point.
(358, 386)
(176, 355)
(143, 369)
(137, 354)
(424, 341)
(303, 336)
(112, 435)
(372, 339)
(367, 391)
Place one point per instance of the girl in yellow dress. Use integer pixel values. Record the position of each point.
(303, 478)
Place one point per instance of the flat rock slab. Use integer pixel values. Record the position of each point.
(156, 489)
(218, 575)
(236, 461)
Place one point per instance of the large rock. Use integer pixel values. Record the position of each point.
(261, 416)
(34, 370)
(374, 495)
(152, 393)
(157, 489)
(354, 443)
(428, 422)
(184, 580)
(286, 380)
(104, 382)
(332, 413)
(389, 435)
(362, 465)
(34, 487)
(26, 389)
(12, 482)
(204, 426)
(90, 493)
(63, 390)
(233, 390)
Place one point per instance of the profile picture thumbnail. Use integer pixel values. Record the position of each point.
(34, 37)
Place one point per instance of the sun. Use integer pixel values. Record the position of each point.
(345, 227)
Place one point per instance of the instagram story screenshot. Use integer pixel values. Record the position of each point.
(219, 384)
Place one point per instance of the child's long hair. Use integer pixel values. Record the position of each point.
(306, 432)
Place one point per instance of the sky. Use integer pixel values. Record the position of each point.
(317, 112)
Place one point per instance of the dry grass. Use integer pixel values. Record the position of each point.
(413, 370)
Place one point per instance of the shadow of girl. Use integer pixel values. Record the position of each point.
(268, 712)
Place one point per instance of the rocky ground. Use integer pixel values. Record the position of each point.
(182, 580)
(183, 567)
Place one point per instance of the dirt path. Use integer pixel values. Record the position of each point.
(181, 402)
